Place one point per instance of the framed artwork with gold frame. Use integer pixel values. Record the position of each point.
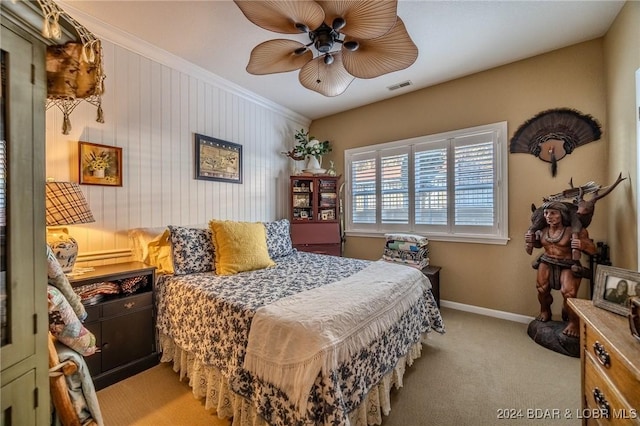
(99, 164)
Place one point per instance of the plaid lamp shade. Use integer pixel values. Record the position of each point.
(66, 205)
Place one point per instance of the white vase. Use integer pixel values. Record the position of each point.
(314, 163)
(98, 173)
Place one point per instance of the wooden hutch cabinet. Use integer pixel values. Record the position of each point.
(315, 225)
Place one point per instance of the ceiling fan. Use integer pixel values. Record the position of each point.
(350, 38)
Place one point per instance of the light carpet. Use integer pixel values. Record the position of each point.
(483, 371)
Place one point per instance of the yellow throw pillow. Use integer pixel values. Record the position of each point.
(239, 246)
(159, 253)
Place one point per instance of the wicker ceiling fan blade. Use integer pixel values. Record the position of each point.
(282, 16)
(274, 56)
(328, 80)
(363, 19)
(392, 52)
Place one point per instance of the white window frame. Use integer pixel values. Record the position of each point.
(497, 234)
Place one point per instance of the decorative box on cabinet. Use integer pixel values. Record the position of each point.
(124, 325)
(314, 214)
(610, 365)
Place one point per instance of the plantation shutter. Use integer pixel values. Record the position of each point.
(474, 180)
(431, 184)
(363, 189)
(394, 183)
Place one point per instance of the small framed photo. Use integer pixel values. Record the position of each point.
(99, 164)
(304, 214)
(327, 214)
(300, 200)
(614, 288)
(217, 159)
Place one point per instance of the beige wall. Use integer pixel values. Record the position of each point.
(493, 276)
(622, 61)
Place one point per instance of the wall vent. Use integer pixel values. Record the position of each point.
(400, 85)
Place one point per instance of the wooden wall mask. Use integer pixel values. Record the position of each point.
(554, 133)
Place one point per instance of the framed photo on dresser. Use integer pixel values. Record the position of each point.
(614, 288)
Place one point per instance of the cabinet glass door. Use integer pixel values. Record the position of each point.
(17, 199)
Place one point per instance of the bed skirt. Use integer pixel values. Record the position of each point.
(208, 382)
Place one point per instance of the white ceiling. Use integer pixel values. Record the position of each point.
(454, 38)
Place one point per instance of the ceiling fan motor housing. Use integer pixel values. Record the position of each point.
(323, 38)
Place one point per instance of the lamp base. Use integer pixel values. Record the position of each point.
(64, 247)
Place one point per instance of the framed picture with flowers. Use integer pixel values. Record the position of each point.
(99, 164)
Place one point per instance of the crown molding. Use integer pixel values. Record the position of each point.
(128, 41)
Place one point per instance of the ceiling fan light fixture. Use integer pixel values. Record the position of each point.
(328, 59)
(351, 45)
(338, 23)
(302, 27)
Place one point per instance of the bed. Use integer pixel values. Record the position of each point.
(307, 339)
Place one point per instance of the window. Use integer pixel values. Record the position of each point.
(450, 187)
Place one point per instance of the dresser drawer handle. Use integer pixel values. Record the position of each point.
(602, 354)
(129, 305)
(601, 402)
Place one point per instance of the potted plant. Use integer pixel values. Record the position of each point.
(312, 149)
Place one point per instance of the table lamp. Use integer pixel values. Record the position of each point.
(65, 205)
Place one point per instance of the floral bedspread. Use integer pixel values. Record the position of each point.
(210, 316)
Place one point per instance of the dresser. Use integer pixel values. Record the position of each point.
(610, 365)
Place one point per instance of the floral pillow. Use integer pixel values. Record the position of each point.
(59, 280)
(192, 250)
(65, 325)
(278, 238)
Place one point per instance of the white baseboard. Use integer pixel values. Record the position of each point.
(487, 312)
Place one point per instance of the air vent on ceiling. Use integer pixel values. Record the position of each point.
(400, 85)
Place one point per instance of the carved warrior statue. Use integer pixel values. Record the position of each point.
(581, 210)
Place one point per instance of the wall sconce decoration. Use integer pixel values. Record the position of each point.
(554, 133)
(65, 205)
(74, 70)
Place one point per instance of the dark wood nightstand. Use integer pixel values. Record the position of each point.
(124, 324)
(433, 273)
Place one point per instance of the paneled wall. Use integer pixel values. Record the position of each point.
(152, 110)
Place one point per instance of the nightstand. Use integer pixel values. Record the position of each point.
(433, 273)
(124, 324)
